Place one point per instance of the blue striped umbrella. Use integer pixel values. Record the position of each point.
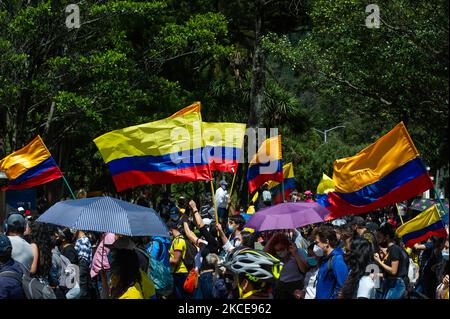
(106, 215)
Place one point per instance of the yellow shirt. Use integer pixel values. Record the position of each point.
(179, 244)
(251, 209)
(143, 290)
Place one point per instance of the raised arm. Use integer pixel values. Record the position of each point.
(189, 234)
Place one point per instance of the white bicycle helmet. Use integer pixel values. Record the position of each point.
(257, 265)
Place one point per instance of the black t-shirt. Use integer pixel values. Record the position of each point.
(212, 247)
(70, 253)
(397, 253)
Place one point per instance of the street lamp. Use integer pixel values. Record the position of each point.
(326, 131)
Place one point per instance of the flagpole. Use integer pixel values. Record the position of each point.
(232, 183)
(64, 178)
(68, 186)
(440, 202)
(214, 197)
(282, 191)
(399, 214)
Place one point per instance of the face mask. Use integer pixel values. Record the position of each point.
(282, 254)
(445, 254)
(318, 251)
(230, 228)
(174, 216)
(312, 261)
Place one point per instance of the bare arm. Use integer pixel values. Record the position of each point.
(301, 263)
(175, 259)
(222, 234)
(34, 264)
(197, 218)
(189, 233)
(393, 269)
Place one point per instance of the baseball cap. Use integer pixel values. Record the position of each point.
(16, 220)
(5, 245)
(359, 221)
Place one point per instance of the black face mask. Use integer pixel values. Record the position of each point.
(58, 242)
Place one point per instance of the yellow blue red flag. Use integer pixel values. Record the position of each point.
(384, 173)
(30, 166)
(428, 223)
(266, 165)
(161, 152)
(223, 145)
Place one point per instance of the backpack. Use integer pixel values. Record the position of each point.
(159, 274)
(189, 257)
(66, 270)
(412, 271)
(33, 288)
(164, 250)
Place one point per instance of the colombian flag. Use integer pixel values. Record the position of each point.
(289, 183)
(325, 186)
(161, 152)
(266, 165)
(428, 223)
(30, 166)
(386, 172)
(223, 143)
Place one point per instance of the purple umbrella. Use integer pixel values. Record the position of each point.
(287, 216)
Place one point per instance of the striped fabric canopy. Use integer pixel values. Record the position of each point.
(106, 215)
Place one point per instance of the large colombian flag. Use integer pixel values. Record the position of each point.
(161, 152)
(386, 172)
(428, 223)
(289, 183)
(266, 165)
(223, 143)
(30, 166)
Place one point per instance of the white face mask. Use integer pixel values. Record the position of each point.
(282, 254)
(445, 254)
(318, 251)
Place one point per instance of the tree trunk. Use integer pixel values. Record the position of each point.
(258, 75)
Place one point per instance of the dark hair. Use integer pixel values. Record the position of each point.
(360, 256)
(278, 238)
(326, 233)
(16, 227)
(387, 230)
(66, 235)
(248, 240)
(124, 265)
(238, 220)
(43, 236)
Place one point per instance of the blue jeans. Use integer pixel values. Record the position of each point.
(178, 282)
(205, 286)
(393, 288)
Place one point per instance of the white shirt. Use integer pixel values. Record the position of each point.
(221, 198)
(366, 288)
(21, 251)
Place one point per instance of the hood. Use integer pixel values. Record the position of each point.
(11, 266)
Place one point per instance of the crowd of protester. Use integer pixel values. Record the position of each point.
(348, 258)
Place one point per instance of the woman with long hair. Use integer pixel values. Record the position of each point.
(394, 263)
(359, 284)
(42, 242)
(293, 272)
